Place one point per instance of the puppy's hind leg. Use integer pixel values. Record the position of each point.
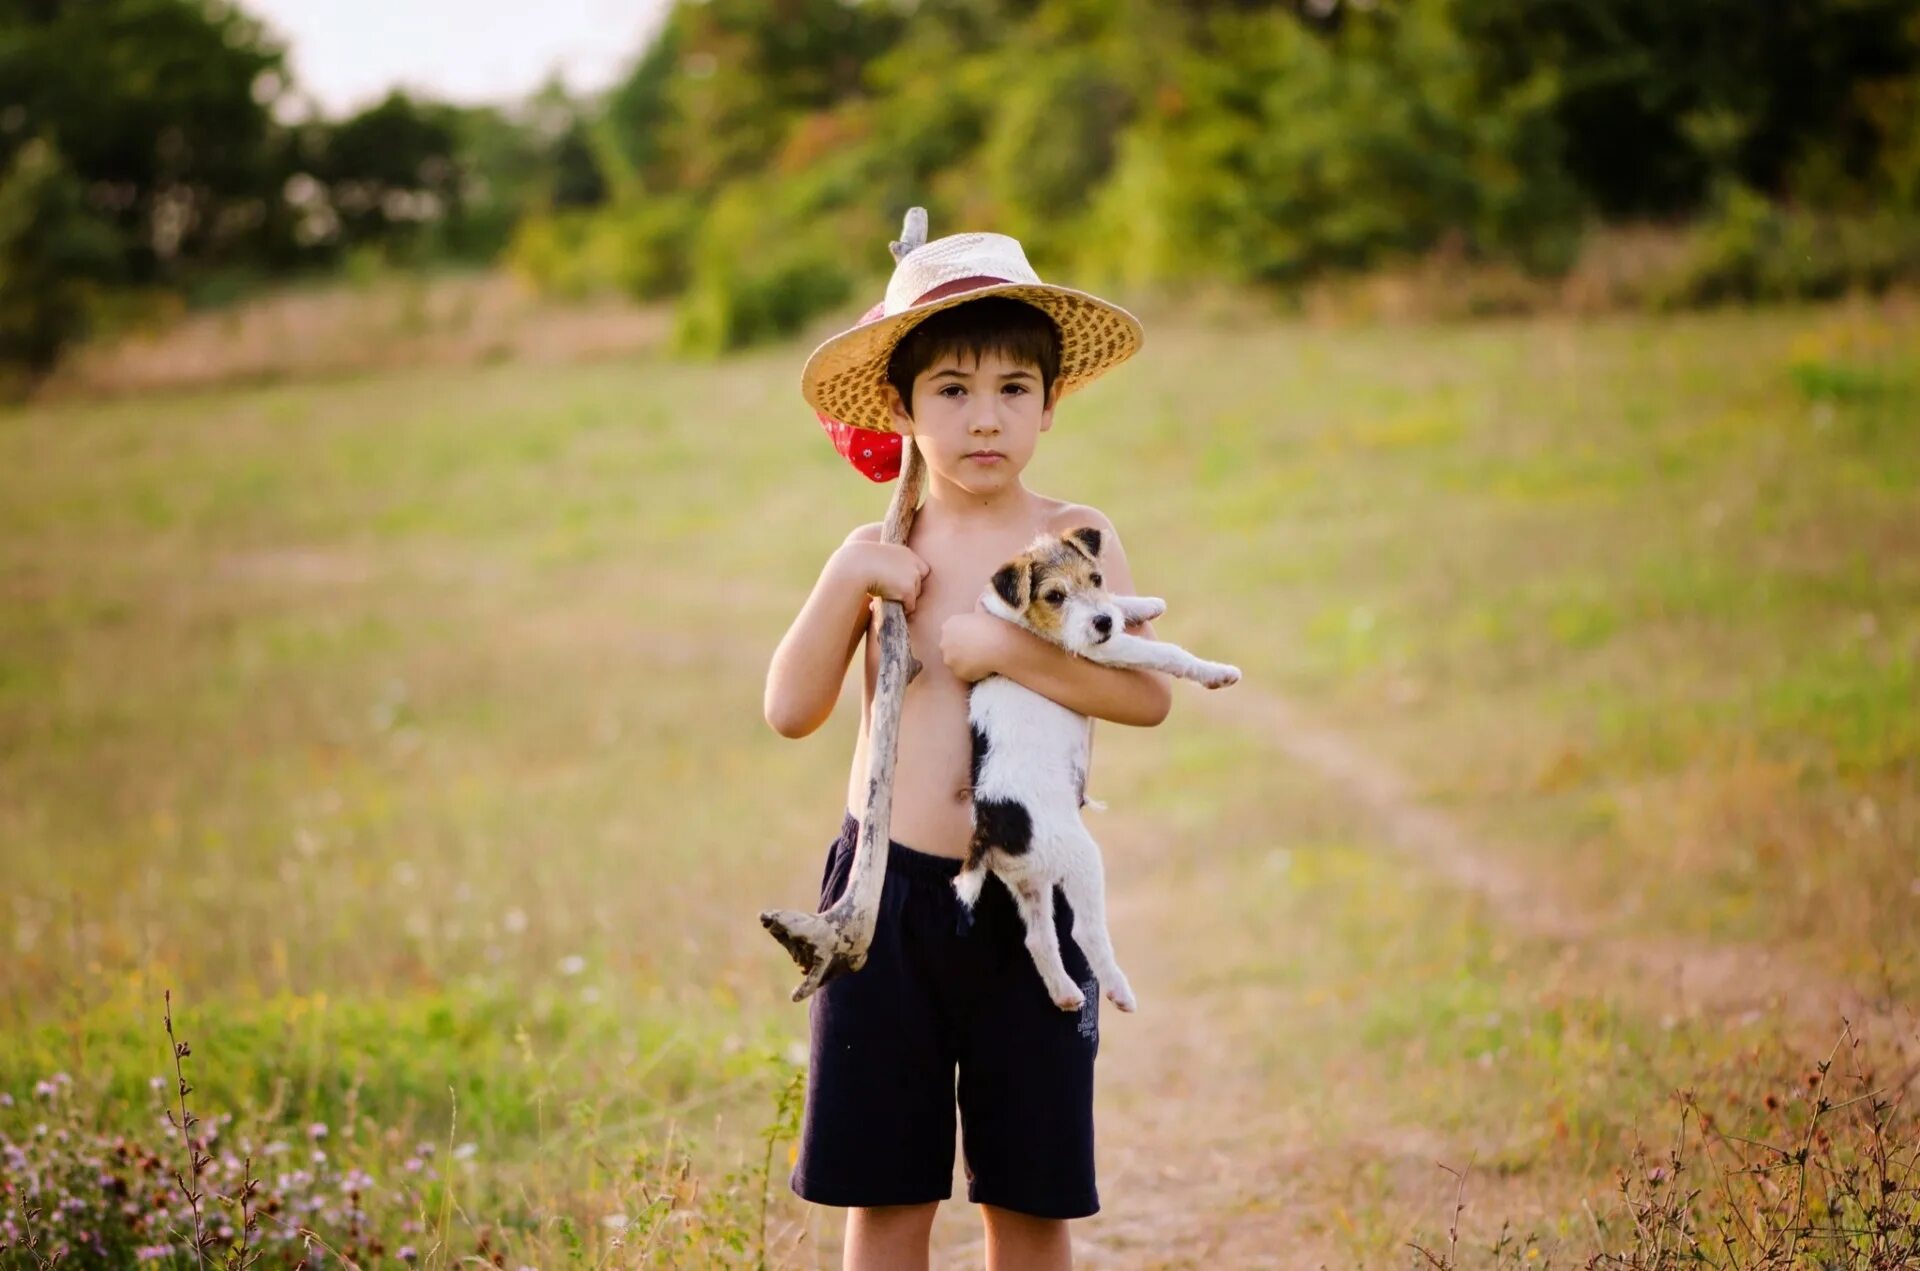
(1034, 898)
(1086, 888)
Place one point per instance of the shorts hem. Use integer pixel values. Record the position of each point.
(855, 1196)
(1083, 1206)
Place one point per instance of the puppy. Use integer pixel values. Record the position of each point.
(1030, 754)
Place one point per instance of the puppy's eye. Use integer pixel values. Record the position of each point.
(1096, 581)
(1056, 598)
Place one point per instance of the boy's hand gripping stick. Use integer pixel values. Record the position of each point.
(827, 944)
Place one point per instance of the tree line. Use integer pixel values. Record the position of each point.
(759, 151)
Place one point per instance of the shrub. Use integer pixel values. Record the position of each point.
(53, 255)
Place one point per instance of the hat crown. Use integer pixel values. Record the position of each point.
(957, 256)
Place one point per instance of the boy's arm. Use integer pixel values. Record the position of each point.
(1140, 698)
(803, 680)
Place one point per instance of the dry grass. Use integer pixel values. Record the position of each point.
(393, 323)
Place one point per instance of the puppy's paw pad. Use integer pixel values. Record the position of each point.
(1219, 675)
(1122, 997)
(1071, 1002)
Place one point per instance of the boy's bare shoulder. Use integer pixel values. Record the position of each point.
(1067, 516)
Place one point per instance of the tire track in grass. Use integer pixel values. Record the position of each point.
(1722, 979)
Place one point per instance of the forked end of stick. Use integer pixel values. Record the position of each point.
(815, 944)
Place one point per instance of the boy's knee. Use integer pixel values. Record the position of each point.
(888, 1236)
(1017, 1240)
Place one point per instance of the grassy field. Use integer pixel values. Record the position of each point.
(406, 726)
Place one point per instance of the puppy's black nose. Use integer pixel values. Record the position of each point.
(1102, 624)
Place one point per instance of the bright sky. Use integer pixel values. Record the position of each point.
(348, 53)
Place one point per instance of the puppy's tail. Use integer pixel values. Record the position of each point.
(968, 882)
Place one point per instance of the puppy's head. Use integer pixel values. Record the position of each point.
(1055, 590)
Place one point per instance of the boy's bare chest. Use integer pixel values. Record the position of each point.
(957, 574)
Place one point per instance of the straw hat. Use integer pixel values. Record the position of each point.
(845, 378)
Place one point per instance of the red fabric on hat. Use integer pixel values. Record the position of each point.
(875, 454)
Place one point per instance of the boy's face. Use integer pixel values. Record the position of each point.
(976, 423)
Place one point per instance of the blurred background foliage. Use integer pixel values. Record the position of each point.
(760, 151)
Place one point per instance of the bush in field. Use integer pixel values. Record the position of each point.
(1754, 250)
(52, 253)
(637, 247)
(760, 269)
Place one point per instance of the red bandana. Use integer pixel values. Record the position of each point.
(875, 454)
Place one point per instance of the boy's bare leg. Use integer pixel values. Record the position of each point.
(1021, 1242)
(883, 1237)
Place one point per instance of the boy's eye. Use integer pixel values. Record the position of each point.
(1016, 388)
(1056, 597)
(955, 387)
(1097, 582)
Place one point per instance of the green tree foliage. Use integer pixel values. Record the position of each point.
(1659, 99)
(1251, 142)
(160, 108)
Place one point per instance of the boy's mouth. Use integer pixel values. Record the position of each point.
(984, 456)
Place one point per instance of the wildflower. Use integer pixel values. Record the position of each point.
(616, 1221)
(318, 1130)
(406, 1253)
(572, 964)
(413, 1164)
(465, 1151)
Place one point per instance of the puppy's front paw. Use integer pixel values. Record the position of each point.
(1069, 997)
(1218, 674)
(1146, 609)
(1121, 995)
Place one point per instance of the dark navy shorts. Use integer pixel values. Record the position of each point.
(939, 996)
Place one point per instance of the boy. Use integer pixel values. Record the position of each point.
(969, 358)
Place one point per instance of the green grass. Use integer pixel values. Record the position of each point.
(434, 697)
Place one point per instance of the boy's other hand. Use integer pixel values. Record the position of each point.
(971, 645)
(886, 571)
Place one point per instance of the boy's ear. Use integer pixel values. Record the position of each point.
(902, 420)
(1053, 399)
(1014, 582)
(1086, 540)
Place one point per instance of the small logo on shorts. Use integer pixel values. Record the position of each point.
(1090, 1009)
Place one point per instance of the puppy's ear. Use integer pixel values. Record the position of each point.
(1085, 540)
(1014, 582)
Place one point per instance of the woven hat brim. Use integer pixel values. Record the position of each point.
(845, 377)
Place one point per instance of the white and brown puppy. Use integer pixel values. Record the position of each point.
(1030, 754)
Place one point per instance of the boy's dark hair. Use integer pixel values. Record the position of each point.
(1000, 324)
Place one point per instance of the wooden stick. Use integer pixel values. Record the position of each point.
(829, 944)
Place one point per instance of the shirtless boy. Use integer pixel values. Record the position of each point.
(973, 380)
